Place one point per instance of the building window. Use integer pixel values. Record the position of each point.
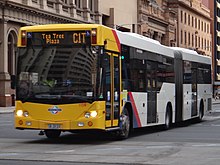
(209, 46)
(202, 26)
(189, 39)
(50, 4)
(35, 1)
(188, 19)
(192, 21)
(91, 5)
(185, 37)
(185, 18)
(196, 41)
(192, 40)
(181, 37)
(181, 16)
(207, 28)
(196, 23)
(65, 1)
(78, 3)
(202, 43)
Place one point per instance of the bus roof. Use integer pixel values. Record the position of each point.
(144, 43)
(192, 55)
(60, 27)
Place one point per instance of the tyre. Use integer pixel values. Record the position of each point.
(125, 125)
(168, 119)
(52, 134)
(201, 112)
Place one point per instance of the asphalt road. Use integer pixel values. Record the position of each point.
(194, 144)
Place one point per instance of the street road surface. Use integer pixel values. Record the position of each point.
(194, 144)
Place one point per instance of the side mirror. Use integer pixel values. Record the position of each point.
(13, 81)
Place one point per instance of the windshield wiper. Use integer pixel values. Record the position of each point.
(44, 95)
(80, 98)
(47, 96)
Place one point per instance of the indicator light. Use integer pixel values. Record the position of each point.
(94, 36)
(90, 123)
(23, 38)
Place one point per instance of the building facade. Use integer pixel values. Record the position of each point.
(215, 30)
(183, 23)
(116, 14)
(17, 13)
(157, 20)
(193, 25)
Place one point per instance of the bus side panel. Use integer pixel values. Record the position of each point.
(139, 105)
(163, 97)
(187, 97)
(205, 94)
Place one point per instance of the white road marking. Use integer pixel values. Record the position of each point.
(9, 154)
(107, 149)
(206, 145)
(215, 125)
(60, 151)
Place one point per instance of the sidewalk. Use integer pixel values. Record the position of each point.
(7, 109)
(217, 101)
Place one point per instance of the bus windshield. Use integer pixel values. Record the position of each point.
(57, 74)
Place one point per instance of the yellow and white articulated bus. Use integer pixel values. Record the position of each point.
(82, 77)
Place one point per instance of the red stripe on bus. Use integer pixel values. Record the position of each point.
(135, 110)
(117, 40)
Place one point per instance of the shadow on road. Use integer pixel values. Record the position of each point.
(98, 138)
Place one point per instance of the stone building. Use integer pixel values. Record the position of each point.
(121, 15)
(215, 30)
(17, 13)
(183, 23)
(193, 25)
(157, 20)
(150, 18)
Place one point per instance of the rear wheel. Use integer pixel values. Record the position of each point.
(168, 118)
(52, 134)
(201, 112)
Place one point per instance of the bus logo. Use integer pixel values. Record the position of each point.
(54, 110)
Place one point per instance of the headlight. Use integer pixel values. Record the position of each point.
(22, 113)
(19, 113)
(93, 113)
(25, 114)
(87, 114)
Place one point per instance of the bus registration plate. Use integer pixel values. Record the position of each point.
(54, 126)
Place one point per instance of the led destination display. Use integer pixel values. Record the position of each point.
(59, 38)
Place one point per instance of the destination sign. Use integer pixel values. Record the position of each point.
(60, 38)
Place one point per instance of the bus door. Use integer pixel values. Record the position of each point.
(112, 90)
(194, 92)
(151, 92)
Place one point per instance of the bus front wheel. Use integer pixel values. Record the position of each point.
(125, 125)
(52, 134)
